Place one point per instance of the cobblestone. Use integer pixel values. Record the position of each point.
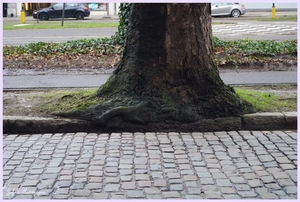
(237, 180)
(100, 196)
(176, 187)
(84, 193)
(135, 194)
(45, 184)
(160, 183)
(29, 183)
(62, 191)
(254, 183)
(93, 186)
(247, 194)
(242, 187)
(170, 194)
(128, 185)
(220, 165)
(112, 187)
(231, 196)
(267, 195)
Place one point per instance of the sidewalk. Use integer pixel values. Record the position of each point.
(90, 80)
(219, 165)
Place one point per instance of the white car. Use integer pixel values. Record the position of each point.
(227, 9)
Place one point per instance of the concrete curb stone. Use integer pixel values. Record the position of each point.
(269, 121)
(256, 121)
(22, 124)
(290, 119)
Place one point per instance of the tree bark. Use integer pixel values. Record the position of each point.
(167, 77)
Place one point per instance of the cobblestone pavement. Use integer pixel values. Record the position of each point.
(219, 165)
(255, 29)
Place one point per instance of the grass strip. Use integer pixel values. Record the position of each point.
(267, 101)
(57, 25)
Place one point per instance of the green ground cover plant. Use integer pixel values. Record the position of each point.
(227, 52)
(98, 46)
(245, 51)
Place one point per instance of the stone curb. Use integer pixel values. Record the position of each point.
(256, 121)
(270, 121)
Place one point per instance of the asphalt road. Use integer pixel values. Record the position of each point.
(253, 30)
(21, 37)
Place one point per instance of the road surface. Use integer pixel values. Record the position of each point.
(254, 30)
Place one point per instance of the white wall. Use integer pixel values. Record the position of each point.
(12, 9)
(266, 6)
(113, 8)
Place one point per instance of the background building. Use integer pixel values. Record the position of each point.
(268, 6)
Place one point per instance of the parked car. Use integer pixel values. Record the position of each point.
(227, 9)
(72, 10)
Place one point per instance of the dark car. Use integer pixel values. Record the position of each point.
(72, 10)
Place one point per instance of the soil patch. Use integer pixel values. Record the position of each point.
(86, 64)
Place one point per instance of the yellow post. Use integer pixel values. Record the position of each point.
(22, 16)
(273, 11)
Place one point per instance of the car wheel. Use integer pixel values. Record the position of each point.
(235, 13)
(44, 16)
(79, 16)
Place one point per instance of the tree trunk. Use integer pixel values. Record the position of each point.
(167, 77)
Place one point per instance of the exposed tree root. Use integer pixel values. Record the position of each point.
(127, 111)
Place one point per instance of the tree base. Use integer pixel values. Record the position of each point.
(205, 125)
(118, 124)
(159, 116)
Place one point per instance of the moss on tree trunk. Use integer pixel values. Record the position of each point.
(167, 77)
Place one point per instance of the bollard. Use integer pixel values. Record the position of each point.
(22, 16)
(273, 11)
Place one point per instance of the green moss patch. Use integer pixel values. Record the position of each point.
(267, 101)
(66, 100)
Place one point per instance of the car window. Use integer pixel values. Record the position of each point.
(220, 4)
(58, 6)
(71, 4)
